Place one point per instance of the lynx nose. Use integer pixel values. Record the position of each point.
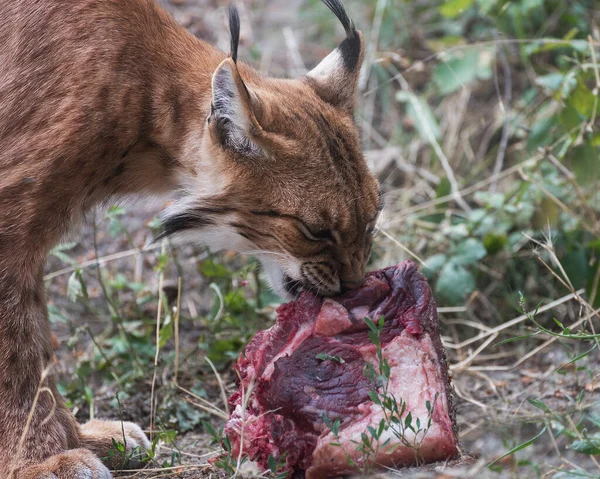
(350, 285)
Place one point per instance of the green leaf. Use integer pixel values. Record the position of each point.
(589, 445)
(328, 357)
(578, 357)
(551, 81)
(433, 264)
(272, 464)
(408, 421)
(55, 315)
(549, 44)
(583, 161)
(494, 243)
(519, 447)
(485, 6)
(538, 403)
(76, 286)
(443, 189)
(582, 100)
(224, 349)
(490, 200)
(454, 283)
(468, 252)
(461, 68)
(452, 8)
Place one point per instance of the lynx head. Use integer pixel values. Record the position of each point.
(292, 186)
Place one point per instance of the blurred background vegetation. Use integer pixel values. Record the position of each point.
(480, 118)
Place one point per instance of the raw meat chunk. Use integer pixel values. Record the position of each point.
(306, 375)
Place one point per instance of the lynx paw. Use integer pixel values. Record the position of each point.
(73, 464)
(120, 445)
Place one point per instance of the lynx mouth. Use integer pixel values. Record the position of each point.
(292, 286)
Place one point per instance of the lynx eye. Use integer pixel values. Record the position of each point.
(323, 235)
(317, 235)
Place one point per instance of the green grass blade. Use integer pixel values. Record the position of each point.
(519, 447)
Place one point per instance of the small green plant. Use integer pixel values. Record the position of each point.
(226, 461)
(396, 419)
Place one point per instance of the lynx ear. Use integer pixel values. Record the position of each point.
(335, 78)
(231, 118)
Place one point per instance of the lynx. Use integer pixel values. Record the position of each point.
(109, 99)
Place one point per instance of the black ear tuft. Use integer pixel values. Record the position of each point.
(338, 9)
(234, 29)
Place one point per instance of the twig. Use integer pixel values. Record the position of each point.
(506, 107)
(467, 191)
(516, 320)
(596, 90)
(456, 194)
(465, 362)
(401, 246)
(36, 398)
(176, 329)
(100, 261)
(205, 405)
(220, 382)
(372, 45)
(296, 64)
(419, 65)
(158, 316)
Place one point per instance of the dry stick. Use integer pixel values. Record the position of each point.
(595, 285)
(556, 448)
(516, 320)
(596, 90)
(368, 112)
(465, 362)
(297, 65)
(100, 261)
(207, 406)
(365, 74)
(176, 328)
(161, 277)
(461, 395)
(401, 246)
(466, 322)
(455, 125)
(40, 389)
(469, 190)
(456, 195)
(566, 282)
(555, 200)
(221, 385)
(437, 55)
(507, 111)
(372, 45)
(531, 353)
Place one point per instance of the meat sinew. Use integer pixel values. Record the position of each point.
(305, 395)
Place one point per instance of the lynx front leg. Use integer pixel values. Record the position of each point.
(40, 438)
